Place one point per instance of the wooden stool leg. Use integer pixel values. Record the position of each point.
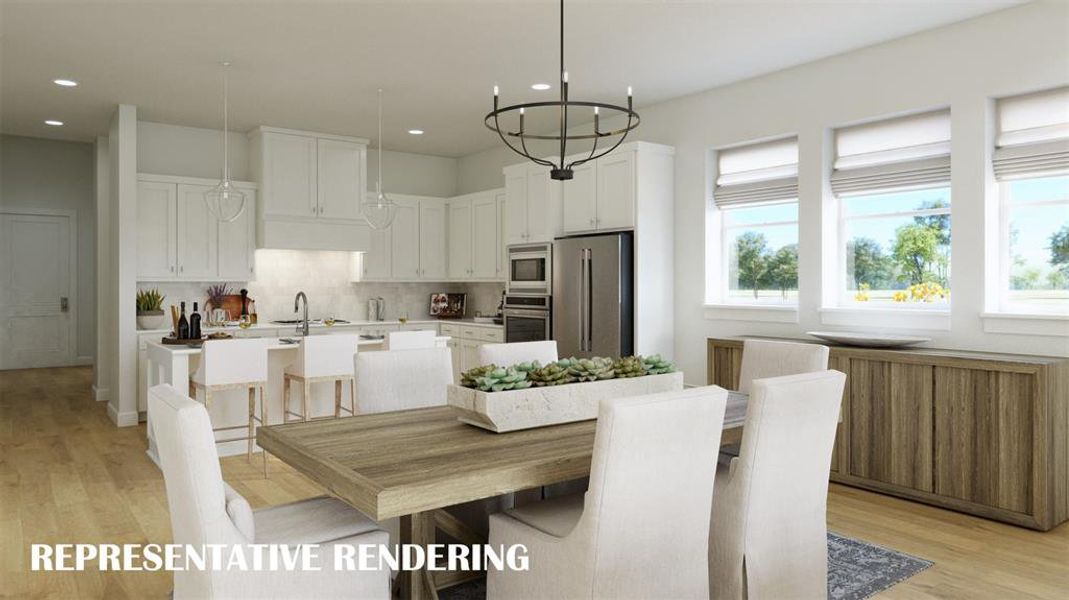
(352, 397)
(337, 398)
(252, 413)
(304, 400)
(285, 398)
(263, 421)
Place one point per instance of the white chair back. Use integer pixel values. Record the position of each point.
(326, 355)
(651, 485)
(506, 355)
(410, 340)
(767, 358)
(226, 362)
(196, 493)
(402, 379)
(768, 534)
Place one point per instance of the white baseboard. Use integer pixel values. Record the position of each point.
(82, 361)
(100, 394)
(124, 419)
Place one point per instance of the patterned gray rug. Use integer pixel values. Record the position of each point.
(856, 570)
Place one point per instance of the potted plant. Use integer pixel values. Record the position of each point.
(149, 309)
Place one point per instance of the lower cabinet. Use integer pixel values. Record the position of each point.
(464, 341)
(985, 434)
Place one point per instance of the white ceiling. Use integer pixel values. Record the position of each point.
(316, 66)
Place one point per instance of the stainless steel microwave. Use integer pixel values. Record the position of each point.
(530, 268)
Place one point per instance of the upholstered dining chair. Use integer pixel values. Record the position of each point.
(205, 510)
(506, 355)
(402, 379)
(770, 358)
(640, 531)
(769, 526)
(410, 340)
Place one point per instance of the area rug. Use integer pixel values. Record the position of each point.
(856, 570)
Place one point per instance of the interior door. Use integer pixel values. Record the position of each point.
(484, 260)
(157, 206)
(404, 247)
(237, 242)
(460, 239)
(432, 240)
(340, 178)
(198, 235)
(579, 198)
(36, 291)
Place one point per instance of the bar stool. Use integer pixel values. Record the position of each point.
(410, 340)
(232, 365)
(321, 358)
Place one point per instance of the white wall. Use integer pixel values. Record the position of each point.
(962, 66)
(164, 149)
(53, 174)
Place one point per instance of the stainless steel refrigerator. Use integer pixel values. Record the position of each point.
(593, 295)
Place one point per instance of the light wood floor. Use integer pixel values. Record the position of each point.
(68, 475)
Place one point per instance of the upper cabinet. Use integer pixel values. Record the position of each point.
(179, 240)
(604, 194)
(413, 247)
(311, 188)
(533, 206)
(475, 234)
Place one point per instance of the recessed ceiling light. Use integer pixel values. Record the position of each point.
(540, 86)
(416, 131)
(65, 82)
(54, 123)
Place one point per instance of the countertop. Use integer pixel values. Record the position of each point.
(352, 323)
(272, 344)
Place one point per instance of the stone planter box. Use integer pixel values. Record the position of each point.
(514, 410)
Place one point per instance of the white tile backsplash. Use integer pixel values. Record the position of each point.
(324, 277)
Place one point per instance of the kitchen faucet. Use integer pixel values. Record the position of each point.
(302, 327)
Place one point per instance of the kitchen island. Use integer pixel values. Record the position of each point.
(174, 364)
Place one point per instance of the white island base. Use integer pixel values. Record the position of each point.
(174, 365)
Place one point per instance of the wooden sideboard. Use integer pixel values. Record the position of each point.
(986, 434)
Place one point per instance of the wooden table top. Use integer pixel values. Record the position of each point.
(400, 463)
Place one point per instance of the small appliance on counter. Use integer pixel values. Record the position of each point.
(376, 309)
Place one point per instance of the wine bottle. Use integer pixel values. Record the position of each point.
(194, 324)
(244, 302)
(183, 324)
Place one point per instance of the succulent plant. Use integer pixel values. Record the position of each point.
(630, 366)
(470, 378)
(655, 365)
(527, 367)
(549, 375)
(500, 380)
(590, 369)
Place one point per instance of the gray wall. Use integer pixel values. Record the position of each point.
(40, 173)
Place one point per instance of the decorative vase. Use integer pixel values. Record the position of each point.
(150, 319)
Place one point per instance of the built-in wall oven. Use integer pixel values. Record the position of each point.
(528, 317)
(530, 269)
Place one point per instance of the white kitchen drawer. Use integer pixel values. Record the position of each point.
(420, 327)
(488, 334)
(450, 330)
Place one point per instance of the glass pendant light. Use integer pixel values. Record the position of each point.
(379, 210)
(225, 202)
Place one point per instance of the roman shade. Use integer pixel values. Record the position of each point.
(900, 153)
(1033, 135)
(761, 172)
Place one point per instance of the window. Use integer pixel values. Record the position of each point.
(757, 196)
(892, 179)
(1031, 162)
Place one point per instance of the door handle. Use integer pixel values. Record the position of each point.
(64, 304)
(582, 300)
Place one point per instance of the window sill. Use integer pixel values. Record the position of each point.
(1047, 324)
(766, 313)
(880, 319)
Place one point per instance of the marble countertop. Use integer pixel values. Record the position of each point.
(265, 324)
(272, 344)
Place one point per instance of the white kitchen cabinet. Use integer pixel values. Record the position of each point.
(157, 209)
(616, 191)
(198, 235)
(502, 257)
(464, 341)
(484, 235)
(533, 204)
(579, 210)
(341, 169)
(376, 260)
(460, 238)
(405, 239)
(311, 188)
(433, 243)
(289, 178)
(180, 240)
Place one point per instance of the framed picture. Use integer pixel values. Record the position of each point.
(439, 303)
(448, 306)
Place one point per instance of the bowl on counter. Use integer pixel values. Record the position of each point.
(868, 340)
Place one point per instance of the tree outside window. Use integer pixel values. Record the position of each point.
(761, 253)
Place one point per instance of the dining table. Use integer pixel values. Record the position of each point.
(412, 464)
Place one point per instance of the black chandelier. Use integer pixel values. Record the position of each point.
(561, 170)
